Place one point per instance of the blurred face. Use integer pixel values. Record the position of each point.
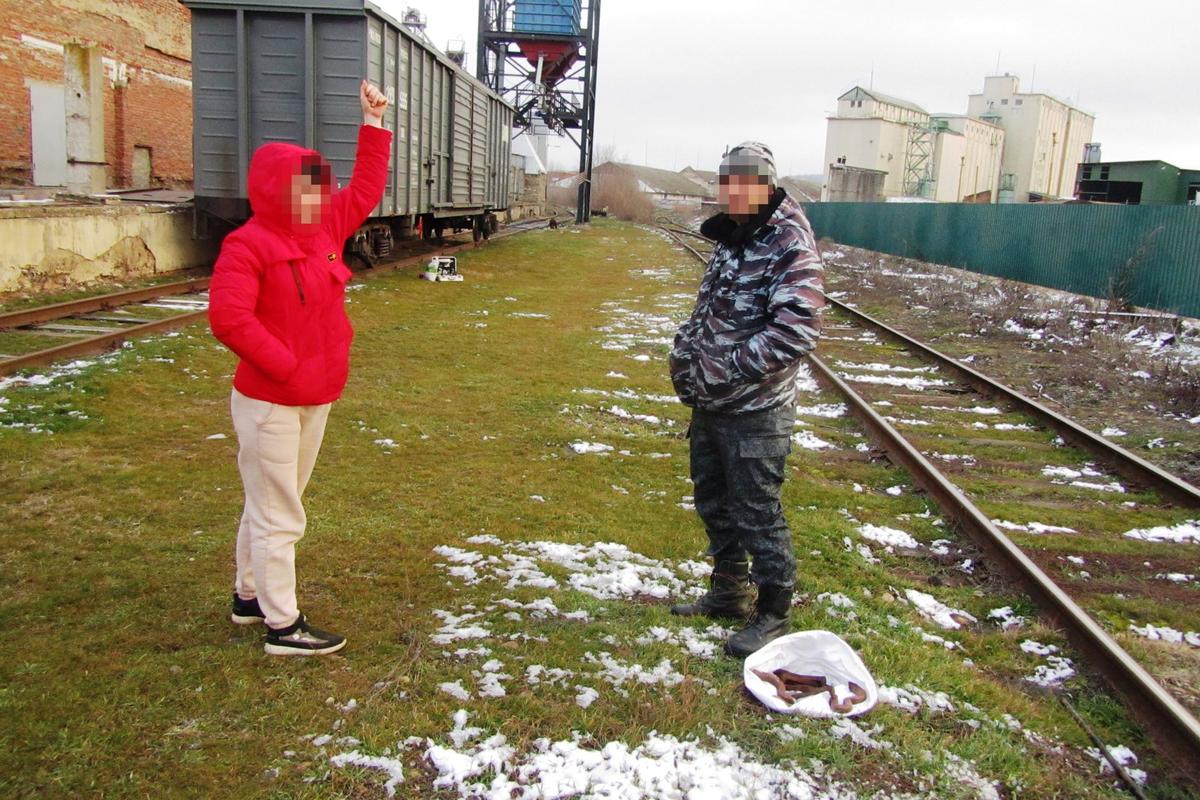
(743, 195)
(310, 192)
(308, 198)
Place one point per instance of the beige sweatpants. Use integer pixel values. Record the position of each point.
(277, 448)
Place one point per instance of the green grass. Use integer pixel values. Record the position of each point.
(120, 675)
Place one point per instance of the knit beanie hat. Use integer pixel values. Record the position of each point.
(750, 158)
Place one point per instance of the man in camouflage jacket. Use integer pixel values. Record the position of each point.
(735, 362)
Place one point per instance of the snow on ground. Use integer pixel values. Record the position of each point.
(605, 570)
(1054, 672)
(591, 447)
(1037, 648)
(877, 367)
(954, 458)
(1006, 618)
(913, 699)
(1123, 756)
(618, 672)
(828, 410)
(621, 413)
(660, 766)
(889, 537)
(1031, 527)
(985, 410)
(1069, 476)
(810, 441)
(964, 773)
(938, 613)
(702, 644)
(1183, 533)
(1156, 633)
(915, 383)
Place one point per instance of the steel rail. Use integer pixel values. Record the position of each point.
(105, 341)
(1129, 465)
(87, 305)
(95, 344)
(1175, 731)
(1172, 726)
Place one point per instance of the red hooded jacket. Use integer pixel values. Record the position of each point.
(278, 288)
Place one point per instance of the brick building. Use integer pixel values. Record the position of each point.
(95, 94)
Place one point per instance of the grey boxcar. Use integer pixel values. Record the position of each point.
(289, 70)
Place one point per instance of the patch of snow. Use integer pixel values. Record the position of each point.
(1123, 756)
(1037, 648)
(1053, 673)
(938, 613)
(1156, 633)
(587, 695)
(1182, 533)
(809, 441)
(659, 767)
(828, 410)
(590, 447)
(890, 537)
(455, 689)
(1031, 527)
(1006, 618)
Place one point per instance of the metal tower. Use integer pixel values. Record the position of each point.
(918, 161)
(545, 65)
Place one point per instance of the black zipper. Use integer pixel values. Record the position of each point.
(299, 285)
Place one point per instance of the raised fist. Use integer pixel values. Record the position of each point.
(373, 103)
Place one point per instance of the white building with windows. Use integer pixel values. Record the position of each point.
(943, 157)
(1044, 138)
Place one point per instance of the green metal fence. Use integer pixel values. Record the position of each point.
(1154, 251)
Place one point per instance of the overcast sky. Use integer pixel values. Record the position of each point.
(681, 79)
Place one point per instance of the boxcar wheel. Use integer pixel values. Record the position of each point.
(357, 262)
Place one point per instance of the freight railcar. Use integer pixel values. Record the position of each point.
(289, 70)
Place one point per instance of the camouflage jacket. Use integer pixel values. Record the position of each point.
(756, 316)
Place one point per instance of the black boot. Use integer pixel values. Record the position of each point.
(729, 593)
(772, 619)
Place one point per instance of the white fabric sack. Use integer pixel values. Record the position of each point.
(810, 653)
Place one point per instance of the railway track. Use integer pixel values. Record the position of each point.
(47, 334)
(921, 407)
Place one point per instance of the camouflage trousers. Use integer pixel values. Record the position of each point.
(738, 463)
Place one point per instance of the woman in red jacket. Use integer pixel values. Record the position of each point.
(276, 300)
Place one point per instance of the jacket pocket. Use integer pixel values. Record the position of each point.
(340, 272)
(764, 446)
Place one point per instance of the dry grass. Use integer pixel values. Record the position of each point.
(616, 195)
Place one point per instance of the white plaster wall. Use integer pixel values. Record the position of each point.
(54, 248)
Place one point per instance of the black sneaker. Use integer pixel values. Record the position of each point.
(246, 612)
(301, 639)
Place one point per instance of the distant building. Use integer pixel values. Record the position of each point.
(1044, 138)
(527, 184)
(666, 188)
(1137, 182)
(846, 184)
(943, 157)
(95, 95)
(706, 179)
(969, 159)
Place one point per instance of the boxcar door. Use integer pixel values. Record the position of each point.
(461, 143)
